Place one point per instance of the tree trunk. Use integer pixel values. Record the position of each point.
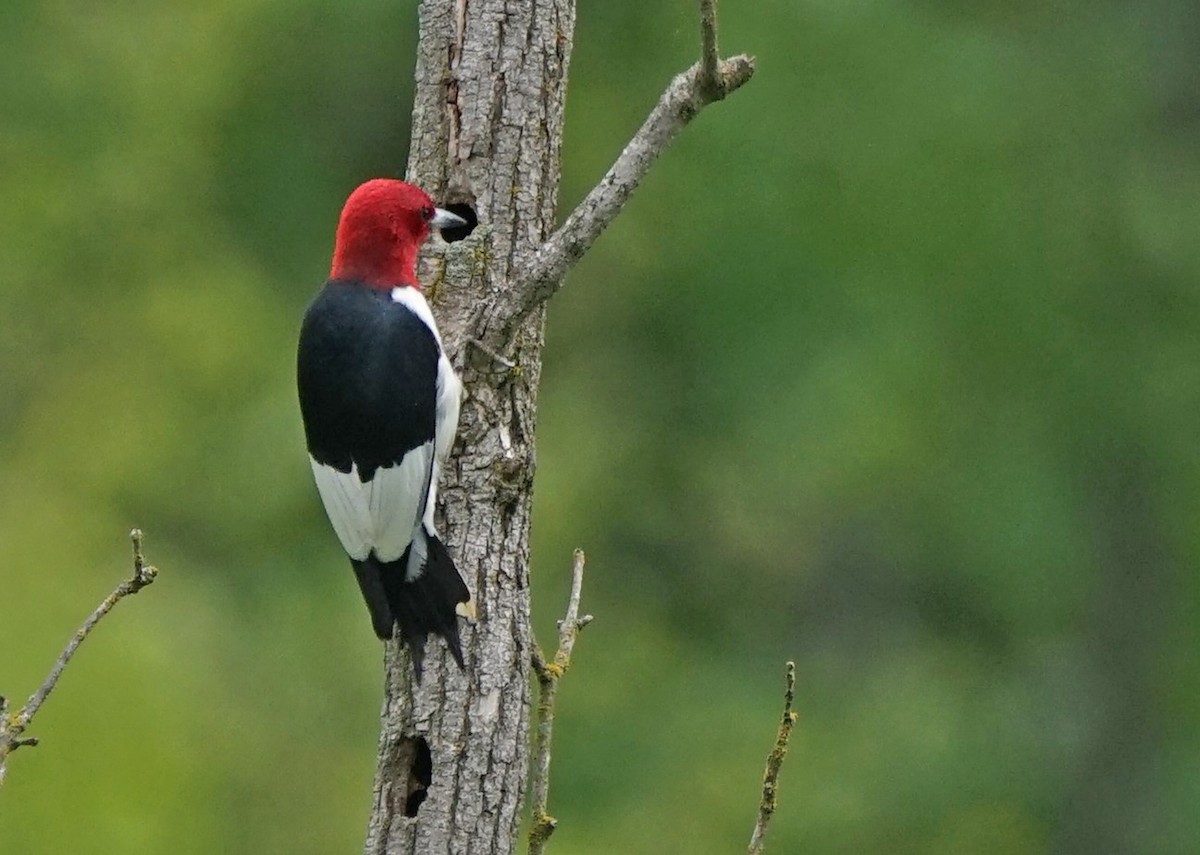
(487, 127)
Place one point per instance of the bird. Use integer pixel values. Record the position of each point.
(379, 401)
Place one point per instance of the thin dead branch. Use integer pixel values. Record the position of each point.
(766, 806)
(710, 54)
(13, 726)
(548, 674)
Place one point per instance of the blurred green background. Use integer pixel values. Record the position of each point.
(891, 367)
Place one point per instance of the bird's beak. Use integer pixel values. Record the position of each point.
(443, 219)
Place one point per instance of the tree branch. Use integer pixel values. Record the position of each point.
(13, 726)
(710, 55)
(549, 673)
(709, 80)
(766, 806)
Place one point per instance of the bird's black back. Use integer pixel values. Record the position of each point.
(367, 378)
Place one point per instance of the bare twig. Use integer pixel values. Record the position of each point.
(766, 807)
(709, 80)
(507, 364)
(548, 674)
(13, 726)
(710, 55)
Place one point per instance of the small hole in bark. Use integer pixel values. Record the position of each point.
(420, 774)
(467, 213)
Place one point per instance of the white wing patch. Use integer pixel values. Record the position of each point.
(381, 515)
(346, 506)
(397, 497)
(449, 401)
(449, 395)
(417, 556)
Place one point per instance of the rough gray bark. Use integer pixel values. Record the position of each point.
(487, 132)
(487, 127)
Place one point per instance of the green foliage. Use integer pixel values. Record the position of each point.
(891, 367)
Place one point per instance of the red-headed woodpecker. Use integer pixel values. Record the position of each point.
(380, 405)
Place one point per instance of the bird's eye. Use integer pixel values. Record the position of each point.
(427, 213)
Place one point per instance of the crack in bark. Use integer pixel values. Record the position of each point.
(453, 105)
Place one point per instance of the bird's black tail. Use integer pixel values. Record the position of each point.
(428, 603)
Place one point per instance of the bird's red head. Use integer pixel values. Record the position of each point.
(383, 224)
